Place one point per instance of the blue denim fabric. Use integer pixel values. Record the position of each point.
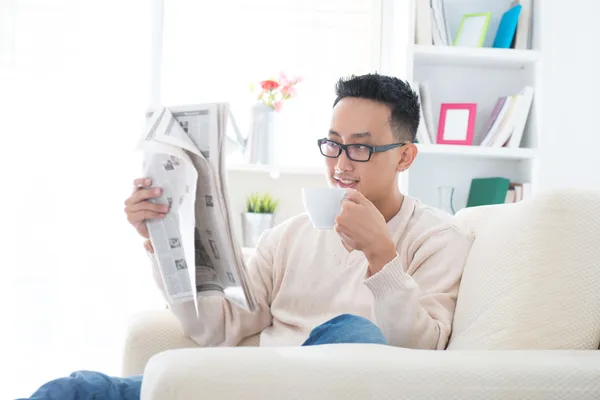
(346, 328)
(90, 385)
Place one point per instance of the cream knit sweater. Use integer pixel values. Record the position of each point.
(303, 277)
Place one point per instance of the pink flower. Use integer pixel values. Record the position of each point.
(288, 91)
(284, 79)
(274, 92)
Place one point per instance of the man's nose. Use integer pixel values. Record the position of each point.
(344, 163)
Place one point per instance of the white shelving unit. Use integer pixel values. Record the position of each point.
(475, 75)
(480, 57)
(478, 152)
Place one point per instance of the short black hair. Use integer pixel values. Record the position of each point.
(391, 91)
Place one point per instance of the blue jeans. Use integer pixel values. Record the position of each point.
(90, 385)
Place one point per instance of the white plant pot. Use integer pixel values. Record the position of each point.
(253, 225)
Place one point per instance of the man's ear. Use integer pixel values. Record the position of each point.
(408, 155)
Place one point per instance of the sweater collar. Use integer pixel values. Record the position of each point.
(398, 223)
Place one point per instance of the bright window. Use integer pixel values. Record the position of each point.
(214, 50)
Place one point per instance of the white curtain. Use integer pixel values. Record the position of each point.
(74, 83)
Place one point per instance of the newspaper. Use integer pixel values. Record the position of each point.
(195, 247)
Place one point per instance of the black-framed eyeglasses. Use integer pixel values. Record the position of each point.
(355, 152)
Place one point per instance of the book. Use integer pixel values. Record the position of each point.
(521, 40)
(423, 135)
(426, 106)
(499, 122)
(507, 28)
(423, 26)
(488, 191)
(521, 116)
(491, 120)
(518, 191)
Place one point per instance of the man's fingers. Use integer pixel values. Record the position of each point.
(341, 231)
(140, 216)
(338, 225)
(345, 215)
(356, 197)
(148, 246)
(146, 205)
(141, 182)
(346, 241)
(143, 194)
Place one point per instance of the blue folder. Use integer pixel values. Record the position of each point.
(507, 28)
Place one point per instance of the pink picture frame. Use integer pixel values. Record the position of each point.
(457, 123)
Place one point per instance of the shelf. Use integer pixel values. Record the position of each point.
(479, 152)
(275, 169)
(483, 56)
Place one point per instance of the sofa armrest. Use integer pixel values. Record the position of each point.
(362, 371)
(150, 333)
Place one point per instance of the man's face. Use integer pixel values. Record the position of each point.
(361, 121)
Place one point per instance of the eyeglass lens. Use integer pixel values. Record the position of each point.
(357, 153)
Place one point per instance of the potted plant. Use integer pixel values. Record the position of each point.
(258, 217)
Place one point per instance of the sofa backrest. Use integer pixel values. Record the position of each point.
(532, 278)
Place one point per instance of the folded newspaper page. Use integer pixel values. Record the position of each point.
(195, 247)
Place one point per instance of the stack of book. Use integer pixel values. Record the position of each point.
(496, 190)
(506, 123)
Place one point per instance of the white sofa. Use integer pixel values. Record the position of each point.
(527, 325)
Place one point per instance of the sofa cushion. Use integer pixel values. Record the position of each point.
(532, 278)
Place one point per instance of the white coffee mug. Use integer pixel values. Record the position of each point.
(323, 205)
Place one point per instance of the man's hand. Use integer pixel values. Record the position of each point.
(362, 227)
(148, 246)
(139, 209)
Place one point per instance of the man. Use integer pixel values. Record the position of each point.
(388, 273)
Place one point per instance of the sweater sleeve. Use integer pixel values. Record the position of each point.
(414, 306)
(221, 322)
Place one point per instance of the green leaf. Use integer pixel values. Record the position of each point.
(264, 204)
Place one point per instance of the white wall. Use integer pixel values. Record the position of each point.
(571, 89)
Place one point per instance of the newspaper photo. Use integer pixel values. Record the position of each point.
(195, 247)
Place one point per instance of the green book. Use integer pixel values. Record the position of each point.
(486, 191)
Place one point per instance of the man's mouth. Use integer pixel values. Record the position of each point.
(345, 183)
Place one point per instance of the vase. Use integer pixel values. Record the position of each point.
(261, 136)
(253, 226)
(446, 199)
